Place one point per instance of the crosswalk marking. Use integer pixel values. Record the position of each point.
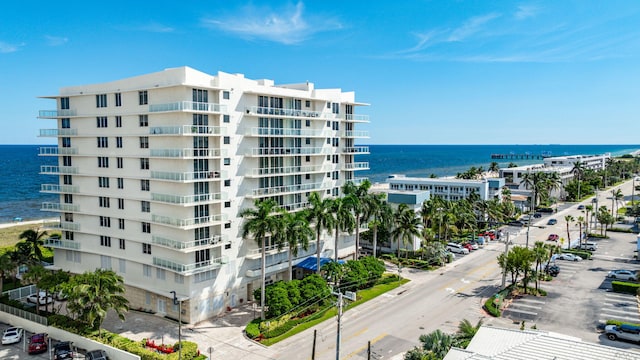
(521, 311)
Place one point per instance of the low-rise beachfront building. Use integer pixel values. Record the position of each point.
(514, 177)
(447, 188)
(592, 162)
(154, 170)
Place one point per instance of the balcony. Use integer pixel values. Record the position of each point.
(49, 206)
(189, 199)
(188, 106)
(58, 170)
(289, 151)
(188, 269)
(356, 166)
(58, 132)
(356, 150)
(189, 153)
(294, 206)
(55, 151)
(261, 111)
(189, 223)
(188, 245)
(187, 130)
(284, 132)
(358, 180)
(357, 118)
(356, 134)
(286, 189)
(255, 254)
(69, 226)
(62, 244)
(59, 189)
(257, 172)
(54, 114)
(188, 176)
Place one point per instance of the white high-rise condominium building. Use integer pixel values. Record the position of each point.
(153, 171)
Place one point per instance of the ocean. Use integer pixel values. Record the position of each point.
(20, 186)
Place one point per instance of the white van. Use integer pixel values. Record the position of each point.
(589, 246)
(457, 248)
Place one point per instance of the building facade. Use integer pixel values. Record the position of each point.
(153, 171)
(445, 188)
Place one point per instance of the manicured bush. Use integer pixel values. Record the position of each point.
(597, 236)
(625, 287)
(618, 322)
(491, 307)
(621, 230)
(253, 329)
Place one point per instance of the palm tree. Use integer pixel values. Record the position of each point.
(437, 342)
(569, 219)
(6, 266)
(616, 196)
(578, 170)
(33, 276)
(35, 240)
(259, 222)
(588, 209)
(580, 221)
(381, 214)
(466, 332)
(296, 232)
(358, 199)
(494, 167)
(407, 226)
(343, 220)
(320, 214)
(540, 255)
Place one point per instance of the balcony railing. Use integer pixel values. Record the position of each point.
(58, 132)
(286, 189)
(356, 134)
(59, 189)
(190, 106)
(187, 130)
(188, 199)
(54, 114)
(69, 226)
(357, 118)
(50, 206)
(190, 268)
(257, 110)
(289, 170)
(180, 245)
(188, 153)
(57, 170)
(62, 244)
(55, 151)
(294, 206)
(186, 223)
(311, 249)
(356, 166)
(188, 176)
(356, 150)
(263, 131)
(289, 151)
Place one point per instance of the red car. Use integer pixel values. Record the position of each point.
(553, 237)
(37, 343)
(490, 234)
(467, 246)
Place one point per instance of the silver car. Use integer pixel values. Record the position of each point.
(623, 275)
(12, 335)
(624, 331)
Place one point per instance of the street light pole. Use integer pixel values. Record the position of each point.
(179, 303)
(504, 266)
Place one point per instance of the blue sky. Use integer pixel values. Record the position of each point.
(434, 72)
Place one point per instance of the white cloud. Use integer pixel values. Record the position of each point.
(471, 27)
(9, 48)
(156, 28)
(56, 40)
(286, 26)
(526, 11)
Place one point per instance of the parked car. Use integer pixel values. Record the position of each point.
(490, 234)
(552, 269)
(568, 257)
(545, 210)
(589, 246)
(474, 246)
(624, 331)
(537, 215)
(580, 207)
(623, 275)
(457, 248)
(517, 223)
(37, 343)
(40, 298)
(552, 222)
(553, 237)
(12, 335)
(96, 355)
(62, 350)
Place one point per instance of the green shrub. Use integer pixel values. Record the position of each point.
(598, 236)
(253, 329)
(625, 287)
(613, 229)
(491, 307)
(618, 323)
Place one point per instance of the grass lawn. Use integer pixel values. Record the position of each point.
(10, 236)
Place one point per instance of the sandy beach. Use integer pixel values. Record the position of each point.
(30, 222)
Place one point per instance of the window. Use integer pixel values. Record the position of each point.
(328, 140)
(227, 161)
(121, 204)
(179, 279)
(68, 235)
(144, 185)
(143, 97)
(103, 201)
(307, 176)
(329, 105)
(227, 204)
(146, 272)
(336, 191)
(307, 141)
(66, 142)
(328, 123)
(68, 217)
(336, 142)
(226, 140)
(160, 274)
(328, 174)
(105, 241)
(118, 121)
(101, 100)
(143, 120)
(227, 246)
(226, 118)
(64, 103)
(119, 141)
(335, 175)
(101, 122)
(118, 98)
(105, 221)
(119, 161)
(225, 95)
(121, 224)
(67, 180)
(335, 108)
(120, 183)
(65, 123)
(103, 182)
(144, 163)
(307, 103)
(335, 159)
(307, 158)
(74, 256)
(146, 227)
(122, 265)
(145, 206)
(68, 198)
(335, 125)
(122, 244)
(103, 141)
(66, 161)
(103, 162)
(146, 248)
(144, 142)
(227, 225)
(307, 123)
(227, 182)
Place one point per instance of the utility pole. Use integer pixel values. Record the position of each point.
(504, 265)
(369, 350)
(313, 350)
(351, 296)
